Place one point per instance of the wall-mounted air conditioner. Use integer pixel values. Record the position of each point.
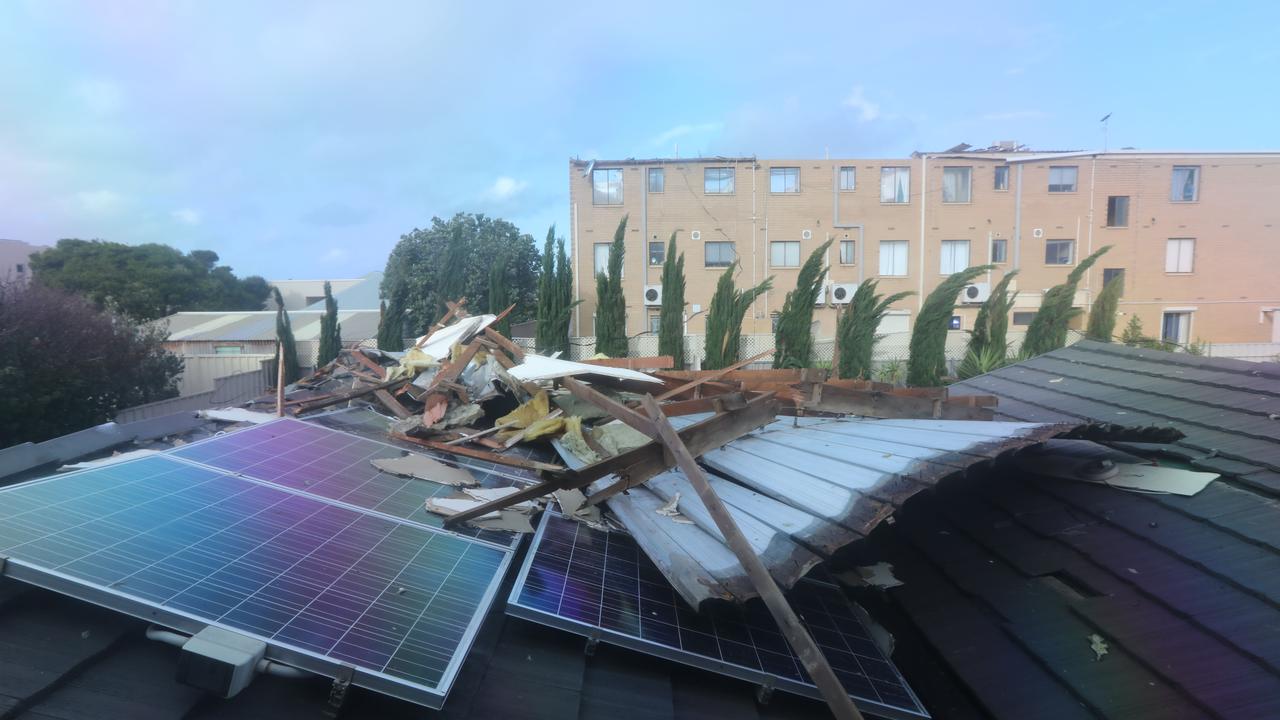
(652, 294)
(842, 293)
(1037, 232)
(806, 234)
(696, 234)
(975, 294)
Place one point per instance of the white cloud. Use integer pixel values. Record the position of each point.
(680, 131)
(867, 110)
(1016, 115)
(186, 216)
(99, 201)
(505, 188)
(99, 97)
(334, 255)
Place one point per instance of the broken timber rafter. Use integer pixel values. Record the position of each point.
(351, 395)
(873, 403)
(508, 460)
(714, 376)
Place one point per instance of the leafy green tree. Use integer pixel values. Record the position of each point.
(419, 269)
(611, 306)
(499, 298)
(148, 281)
(330, 330)
(671, 317)
(284, 336)
(927, 362)
(1133, 335)
(856, 330)
(1048, 329)
(555, 297)
(988, 344)
(793, 341)
(724, 319)
(1102, 317)
(65, 365)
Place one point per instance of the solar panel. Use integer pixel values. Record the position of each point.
(601, 585)
(323, 583)
(335, 465)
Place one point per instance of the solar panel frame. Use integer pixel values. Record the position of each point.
(517, 608)
(42, 575)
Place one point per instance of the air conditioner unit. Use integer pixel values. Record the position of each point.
(652, 294)
(806, 234)
(696, 234)
(822, 295)
(1037, 233)
(975, 294)
(842, 293)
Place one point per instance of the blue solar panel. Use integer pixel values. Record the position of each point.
(600, 584)
(335, 465)
(322, 583)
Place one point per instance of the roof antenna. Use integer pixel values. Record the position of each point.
(1104, 120)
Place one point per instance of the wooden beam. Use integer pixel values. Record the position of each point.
(280, 380)
(871, 403)
(352, 395)
(482, 433)
(714, 376)
(504, 342)
(508, 460)
(390, 403)
(660, 362)
(797, 636)
(368, 362)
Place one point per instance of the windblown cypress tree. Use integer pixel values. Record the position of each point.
(928, 360)
(1048, 329)
(988, 344)
(793, 342)
(453, 274)
(611, 307)
(284, 335)
(856, 331)
(1102, 317)
(671, 317)
(724, 319)
(564, 285)
(498, 297)
(391, 324)
(548, 299)
(330, 330)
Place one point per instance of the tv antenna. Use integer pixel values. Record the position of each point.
(1104, 120)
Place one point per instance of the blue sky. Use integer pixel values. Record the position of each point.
(301, 139)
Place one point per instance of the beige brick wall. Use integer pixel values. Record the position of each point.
(1235, 223)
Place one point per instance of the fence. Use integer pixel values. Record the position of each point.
(226, 391)
(200, 372)
(1255, 352)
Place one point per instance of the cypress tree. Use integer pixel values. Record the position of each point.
(793, 343)
(452, 275)
(671, 317)
(548, 299)
(284, 336)
(1048, 329)
(330, 330)
(498, 297)
(1133, 335)
(565, 303)
(1102, 316)
(391, 324)
(856, 331)
(988, 343)
(611, 308)
(927, 362)
(724, 319)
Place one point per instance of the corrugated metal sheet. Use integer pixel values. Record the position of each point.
(802, 488)
(356, 325)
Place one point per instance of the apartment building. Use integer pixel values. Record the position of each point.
(1196, 235)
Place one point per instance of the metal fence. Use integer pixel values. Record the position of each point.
(200, 372)
(1256, 352)
(229, 390)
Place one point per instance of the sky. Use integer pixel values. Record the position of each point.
(302, 139)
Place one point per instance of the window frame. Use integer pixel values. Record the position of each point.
(1029, 315)
(968, 185)
(786, 246)
(853, 252)
(1190, 256)
(1004, 251)
(662, 247)
(1000, 170)
(655, 323)
(1111, 207)
(724, 172)
(906, 258)
(706, 246)
(952, 245)
(1075, 181)
(238, 349)
(595, 190)
(1195, 185)
(1184, 335)
(1071, 255)
(661, 174)
(595, 258)
(785, 172)
(896, 170)
(853, 176)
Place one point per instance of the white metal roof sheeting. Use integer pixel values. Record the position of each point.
(261, 325)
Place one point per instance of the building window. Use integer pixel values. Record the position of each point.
(717, 181)
(1023, 318)
(1186, 183)
(1001, 177)
(848, 178)
(895, 185)
(655, 322)
(1175, 327)
(606, 186)
(955, 256)
(657, 180)
(1062, 178)
(1118, 211)
(228, 349)
(656, 253)
(718, 254)
(893, 258)
(784, 254)
(773, 321)
(999, 250)
(1109, 274)
(847, 252)
(1059, 252)
(957, 323)
(956, 184)
(1179, 255)
(21, 268)
(784, 180)
(601, 251)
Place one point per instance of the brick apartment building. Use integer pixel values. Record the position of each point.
(1195, 234)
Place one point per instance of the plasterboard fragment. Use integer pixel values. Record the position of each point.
(424, 468)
